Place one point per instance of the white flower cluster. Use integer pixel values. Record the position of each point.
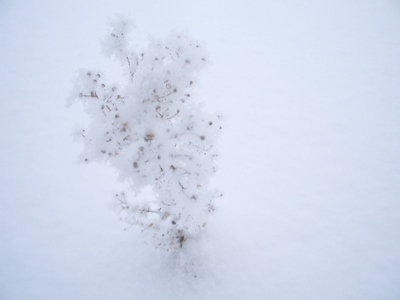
(154, 133)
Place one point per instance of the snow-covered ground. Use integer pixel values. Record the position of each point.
(310, 164)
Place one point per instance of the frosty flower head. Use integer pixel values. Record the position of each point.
(154, 132)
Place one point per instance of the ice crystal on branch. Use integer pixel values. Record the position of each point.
(154, 132)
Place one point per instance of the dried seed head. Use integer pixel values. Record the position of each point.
(149, 136)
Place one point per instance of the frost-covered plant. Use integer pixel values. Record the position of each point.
(154, 132)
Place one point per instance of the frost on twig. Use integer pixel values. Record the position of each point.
(154, 132)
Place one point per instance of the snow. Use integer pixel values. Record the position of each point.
(309, 157)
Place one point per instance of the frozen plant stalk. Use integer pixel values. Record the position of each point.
(154, 132)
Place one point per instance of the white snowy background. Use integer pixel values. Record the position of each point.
(310, 164)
